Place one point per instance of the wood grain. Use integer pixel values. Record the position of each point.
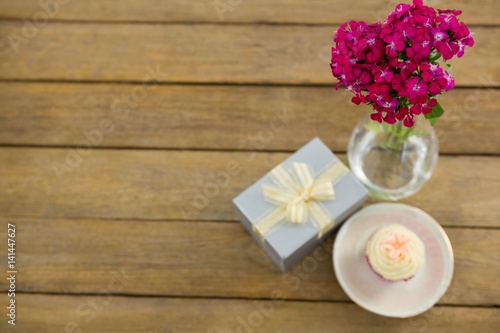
(172, 184)
(122, 231)
(200, 53)
(209, 259)
(44, 313)
(255, 11)
(214, 117)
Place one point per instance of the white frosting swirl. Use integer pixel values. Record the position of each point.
(395, 252)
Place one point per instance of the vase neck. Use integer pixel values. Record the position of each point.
(396, 135)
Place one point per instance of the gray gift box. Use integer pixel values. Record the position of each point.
(291, 242)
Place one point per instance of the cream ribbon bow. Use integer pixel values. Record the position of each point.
(297, 194)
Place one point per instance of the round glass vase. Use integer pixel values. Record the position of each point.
(393, 161)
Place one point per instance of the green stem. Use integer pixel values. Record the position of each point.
(396, 135)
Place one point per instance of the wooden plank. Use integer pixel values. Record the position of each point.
(172, 184)
(255, 11)
(132, 314)
(209, 259)
(200, 53)
(215, 117)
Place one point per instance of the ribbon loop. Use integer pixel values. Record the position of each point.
(304, 174)
(284, 179)
(323, 190)
(297, 194)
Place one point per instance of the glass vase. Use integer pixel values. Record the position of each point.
(393, 161)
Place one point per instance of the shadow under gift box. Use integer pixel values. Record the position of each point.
(291, 242)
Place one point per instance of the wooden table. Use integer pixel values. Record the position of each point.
(115, 115)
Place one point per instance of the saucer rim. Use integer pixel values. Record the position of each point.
(448, 256)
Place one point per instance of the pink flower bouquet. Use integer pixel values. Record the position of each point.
(394, 67)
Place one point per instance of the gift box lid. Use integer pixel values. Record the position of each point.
(290, 238)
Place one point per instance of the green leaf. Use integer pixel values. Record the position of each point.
(437, 112)
(449, 69)
(434, 57)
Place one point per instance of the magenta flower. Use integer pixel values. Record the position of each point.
(401, 113)
(392, 66)
(416, 90)
(384, 75)
(434, 89)
(448, 50)
(377, 116)
(397, 82)
(447, 22)
(420, 50)
(390, 118)
(424, 108)
(409, 120)
(439, 36)
(395, 44)
(358, 99)
(380, 94)
(450, 11)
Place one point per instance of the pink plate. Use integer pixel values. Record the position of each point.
(370, 291)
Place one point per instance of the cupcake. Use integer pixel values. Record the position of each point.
(395, 253)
